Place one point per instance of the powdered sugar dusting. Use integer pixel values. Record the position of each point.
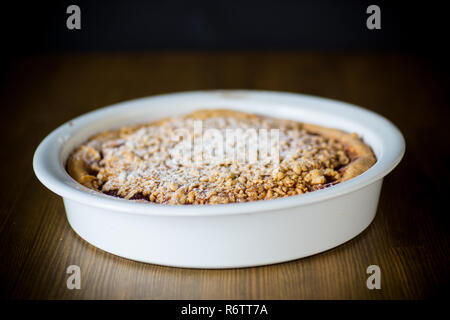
(229, 159)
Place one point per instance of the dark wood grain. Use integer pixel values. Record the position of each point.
(408, 238)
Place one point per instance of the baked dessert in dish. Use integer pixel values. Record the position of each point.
(218, 156)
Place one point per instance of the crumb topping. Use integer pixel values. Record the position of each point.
(154, 162)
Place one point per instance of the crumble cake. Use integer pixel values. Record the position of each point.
(154, 162)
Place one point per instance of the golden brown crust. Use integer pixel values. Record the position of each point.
(361, 155)
(351, 158)
(77, 165)
(210, 113)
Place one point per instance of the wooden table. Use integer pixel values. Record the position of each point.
(408, 238)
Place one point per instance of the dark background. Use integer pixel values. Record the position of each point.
(130, 49)
(40, 26)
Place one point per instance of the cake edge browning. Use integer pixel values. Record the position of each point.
(360, 154)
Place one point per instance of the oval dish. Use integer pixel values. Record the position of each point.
(224, 235)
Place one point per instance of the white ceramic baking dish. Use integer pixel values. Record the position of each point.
(224, 235)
